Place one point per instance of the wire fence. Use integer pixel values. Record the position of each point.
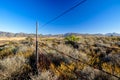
(62, 53)
(74, 72)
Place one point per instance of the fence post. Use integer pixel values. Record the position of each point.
(37, 56)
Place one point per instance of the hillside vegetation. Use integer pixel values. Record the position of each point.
(66, 58)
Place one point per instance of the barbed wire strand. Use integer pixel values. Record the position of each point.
(80, 61)
(78, 75)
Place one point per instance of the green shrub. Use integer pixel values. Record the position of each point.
(72, 38)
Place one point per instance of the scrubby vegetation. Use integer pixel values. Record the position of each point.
(70, 58)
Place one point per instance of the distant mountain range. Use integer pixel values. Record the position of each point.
(9, 34)
(99, 34)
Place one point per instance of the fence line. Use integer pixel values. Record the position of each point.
(79, 60)
(77, 74)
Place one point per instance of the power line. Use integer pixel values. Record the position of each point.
(70, 9)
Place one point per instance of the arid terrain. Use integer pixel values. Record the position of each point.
(60, 58)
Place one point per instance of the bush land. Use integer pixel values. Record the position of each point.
(17, 59)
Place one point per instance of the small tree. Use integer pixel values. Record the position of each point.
(72, 38)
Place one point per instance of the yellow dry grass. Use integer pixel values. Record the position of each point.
(11, 38)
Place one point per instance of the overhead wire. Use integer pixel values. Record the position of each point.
(65, 12)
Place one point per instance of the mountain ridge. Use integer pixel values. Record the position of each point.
(21, 34)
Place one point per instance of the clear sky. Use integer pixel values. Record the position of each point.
(93, 16)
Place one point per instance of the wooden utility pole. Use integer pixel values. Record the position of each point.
(37, 56)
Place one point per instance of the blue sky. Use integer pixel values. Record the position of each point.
(93, 16)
